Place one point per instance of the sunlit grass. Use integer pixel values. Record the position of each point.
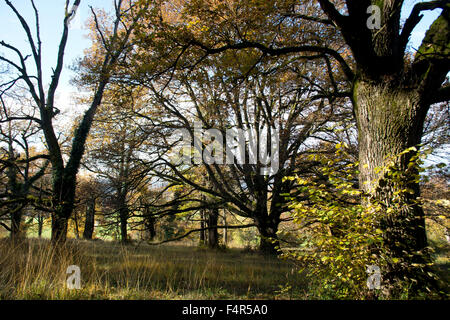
(35, 270)
(109, 270)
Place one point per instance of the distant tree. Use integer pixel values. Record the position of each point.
(89, 191)
(22, 165)
(113, 151)
(148, 217)
(109, 49)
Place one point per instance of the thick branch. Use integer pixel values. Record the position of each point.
(333, 13)
(415, 17)
(279, 51)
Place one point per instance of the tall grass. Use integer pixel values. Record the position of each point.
(34, 269)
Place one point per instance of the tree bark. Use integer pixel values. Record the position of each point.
(267, 221)
(149, 223)
(268, 236)
(59, 227)
(40, 219)
(90, 220)
(225, 230)
(64, 184)
(16, 221)
(213, 234)
(202, 226)
(389, 122)
(13, 186)
(76, 227)
(123, 212)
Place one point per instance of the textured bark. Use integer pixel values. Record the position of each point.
(389, 122)
(391, 97)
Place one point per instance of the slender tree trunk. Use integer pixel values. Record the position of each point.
(123, 212)
(40, 219)
(90, 220)
(225, 230)
(202, 226)
(76, 227)
(213, 234)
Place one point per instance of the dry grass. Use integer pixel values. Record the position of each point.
(35, 270)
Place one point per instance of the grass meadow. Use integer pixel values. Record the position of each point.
(35, 270)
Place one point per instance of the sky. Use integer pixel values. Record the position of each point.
(51, 15)
(52, 12)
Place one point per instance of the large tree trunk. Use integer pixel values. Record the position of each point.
(59, 227)
(90, 220)
(268, 236)
(64, 184)
(16, 222)
(389, 122)
(267, 223)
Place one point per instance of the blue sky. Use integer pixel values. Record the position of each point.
(51, 14)
(419, 31)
